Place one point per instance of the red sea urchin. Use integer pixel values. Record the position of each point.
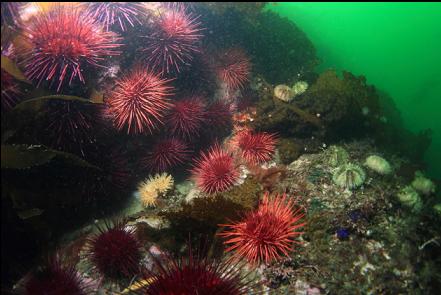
(10, 91)
(119, 13)
(196, 275)
(62, 42)
(187, 117)
(267, 233)
(69, 125)
(174, 39)
(215, 170)
(165, 154)
(254, 147)
(139, 101)
(115, 251)
(233, 67)
(56, 278)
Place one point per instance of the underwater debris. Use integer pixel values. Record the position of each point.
(349, 176)
(422, 184)
(378, 164)
(267, 233)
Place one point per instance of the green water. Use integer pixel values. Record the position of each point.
(395, 45)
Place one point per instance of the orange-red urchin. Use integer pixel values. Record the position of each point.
(266, 234)
(62, 42)
(139, 101)
(115, 251)
(165, 154)
(233, 67)
(187, 117)
(255, 147)
(195, 275)
(215, 170)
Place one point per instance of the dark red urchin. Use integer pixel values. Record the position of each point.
(10, 91)
(174, 39)
(69, 125)
(219, 115)
(55, 278)
(233, 68)
(187, 117)
(139, 101)
(166, 154)
(120, 13)
(62, 42)
(115, 251)
(266, 234)
(215, 170)
(255, 147)
(195, 275)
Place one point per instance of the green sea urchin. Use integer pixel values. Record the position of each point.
(349, 176)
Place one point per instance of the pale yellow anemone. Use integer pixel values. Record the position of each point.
(151, 188)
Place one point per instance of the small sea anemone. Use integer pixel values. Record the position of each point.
(151, 188)
(336, 156)
(378, 164)
(195, 275)
(115, 251)
(255, 147)
(215, 170)
(409, 197)
(349, 176)
(267, 233)
(422, 184)
(55, 277)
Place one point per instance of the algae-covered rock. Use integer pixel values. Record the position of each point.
(246, 194)
(378, 164)
(289, 150)
(349, 176)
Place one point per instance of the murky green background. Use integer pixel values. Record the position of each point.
(397, 46)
